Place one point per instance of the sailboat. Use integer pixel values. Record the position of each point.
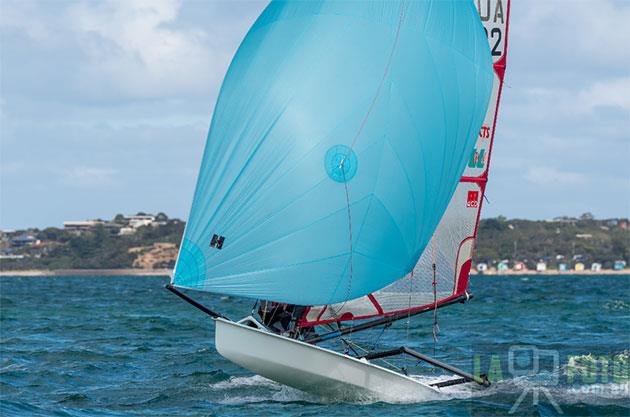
(341, 185)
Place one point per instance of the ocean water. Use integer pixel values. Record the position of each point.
(117, 346)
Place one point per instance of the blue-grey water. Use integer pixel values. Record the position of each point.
(115, 346)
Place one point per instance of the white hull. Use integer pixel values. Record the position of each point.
(313, 369)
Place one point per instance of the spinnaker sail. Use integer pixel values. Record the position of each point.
(452, 244)
(336, 144)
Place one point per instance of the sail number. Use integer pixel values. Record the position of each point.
(492, 12)
(495, 33)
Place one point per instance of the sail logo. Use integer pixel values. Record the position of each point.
(484, 133)
(217, 241)
(477, 158)
(473, 199)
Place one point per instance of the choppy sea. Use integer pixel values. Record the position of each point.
(118, 346)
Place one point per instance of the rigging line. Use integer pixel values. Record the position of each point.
(380, 84)
(380, 335)
(435, 322)
(358, 346)
(349, 287)
(409, 303)
(385, 74)
(264, 317)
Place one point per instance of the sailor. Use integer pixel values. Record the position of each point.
(283, 318)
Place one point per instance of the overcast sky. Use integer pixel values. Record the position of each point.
(105, 107)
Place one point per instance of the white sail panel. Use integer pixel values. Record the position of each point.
(452, 244)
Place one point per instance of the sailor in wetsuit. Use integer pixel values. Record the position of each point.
(282, 318)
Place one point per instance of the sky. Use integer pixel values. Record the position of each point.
(105, 107)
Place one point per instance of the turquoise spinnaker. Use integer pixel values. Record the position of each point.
(337, 141)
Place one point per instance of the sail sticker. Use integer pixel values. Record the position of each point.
(477, 158)
(341, 163)
(217, 241)
(484, 133)
(473, 199)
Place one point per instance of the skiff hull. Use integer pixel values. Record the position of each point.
(313, 369)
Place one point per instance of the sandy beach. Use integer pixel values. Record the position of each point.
(555, 272)
(86, 272)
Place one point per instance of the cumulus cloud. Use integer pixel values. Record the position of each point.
(579, 35)
(117, 50)
(87, 176)
(608, 93)
(130, 47)
(553, 177)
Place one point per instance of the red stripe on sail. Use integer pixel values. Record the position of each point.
(349, 317)
(376, 304)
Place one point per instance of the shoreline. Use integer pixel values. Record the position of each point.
(86, 272)
(555, 272)
(167, 272)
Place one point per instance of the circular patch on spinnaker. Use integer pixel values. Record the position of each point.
(341, 163)
(191, 265)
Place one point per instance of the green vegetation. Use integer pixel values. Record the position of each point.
(107, 244)
(100, 247)
(565, 240)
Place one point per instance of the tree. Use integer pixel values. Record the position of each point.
(587, 216)
(120, 219)
(161, 217)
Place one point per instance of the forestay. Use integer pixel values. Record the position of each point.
(336, 144)
(452, 244)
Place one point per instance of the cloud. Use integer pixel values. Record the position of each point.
(552, 177)
(114, 50)
(85, 176)
(130, 48)
(578, 35)
(608, 93)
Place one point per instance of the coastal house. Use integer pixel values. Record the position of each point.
(125, 231)
(541, 267)
(79, 226)
(563, 267)
(596, 267)
(502, 267)
(619, 265)
(482, 267)
(140, 220)
(23, 240)
(519, 266)
(563, 219)
(6, 254)
(579, 267)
